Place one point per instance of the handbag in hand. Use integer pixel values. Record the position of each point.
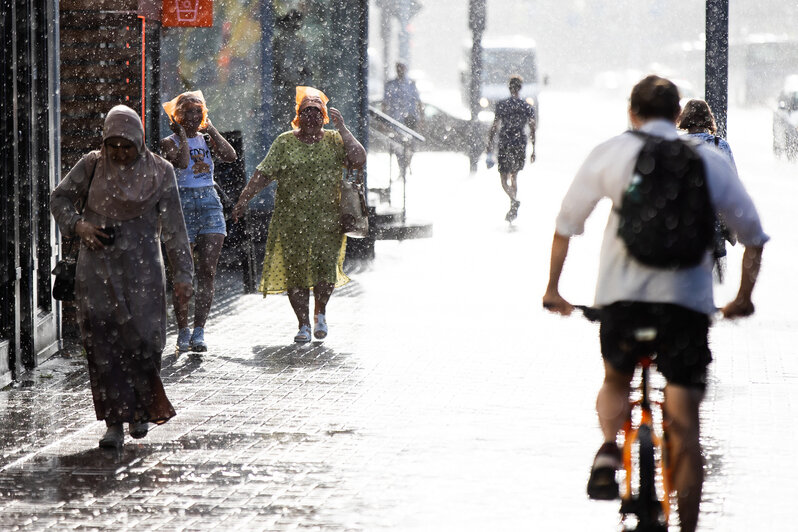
(64, 284)
(65, 268)
(354, 209)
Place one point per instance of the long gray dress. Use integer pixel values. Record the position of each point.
(120, 293)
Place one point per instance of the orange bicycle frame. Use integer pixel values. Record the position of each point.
(630, 436)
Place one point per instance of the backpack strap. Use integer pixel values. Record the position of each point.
(643, 135)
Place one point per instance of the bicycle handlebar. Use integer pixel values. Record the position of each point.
(589, 313)
(594, 313)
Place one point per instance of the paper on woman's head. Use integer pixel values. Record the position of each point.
(171, 106)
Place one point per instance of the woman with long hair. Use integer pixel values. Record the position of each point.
(192, 155)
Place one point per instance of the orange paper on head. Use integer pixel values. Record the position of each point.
(316, 98)
(171, 106)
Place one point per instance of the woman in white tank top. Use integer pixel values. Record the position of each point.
(192, 157)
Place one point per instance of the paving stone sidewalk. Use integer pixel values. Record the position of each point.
(444, 398)
(204, 470)
(387, 425)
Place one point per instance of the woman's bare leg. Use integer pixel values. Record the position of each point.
(321, 295)
(181, 310)
(208, 249)
(299, 302)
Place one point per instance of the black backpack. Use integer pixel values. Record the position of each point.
(666, 217)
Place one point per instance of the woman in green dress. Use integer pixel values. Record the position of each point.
(305, 247)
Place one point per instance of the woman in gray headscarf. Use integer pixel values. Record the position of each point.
(131, 199)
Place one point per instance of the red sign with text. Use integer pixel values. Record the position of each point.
(187, 13)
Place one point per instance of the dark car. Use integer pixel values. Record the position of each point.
(444, 131)
(785, 120)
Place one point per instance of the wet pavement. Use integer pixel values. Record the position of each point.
(443, 399)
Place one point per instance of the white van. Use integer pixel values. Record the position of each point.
(502, 58)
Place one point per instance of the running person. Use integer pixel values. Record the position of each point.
(513, 114)
(677, 302)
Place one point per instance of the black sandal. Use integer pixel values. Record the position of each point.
(602, 485)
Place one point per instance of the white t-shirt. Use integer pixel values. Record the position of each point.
(607, 172)
(200, 164)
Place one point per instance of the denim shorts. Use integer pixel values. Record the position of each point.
(202, 210)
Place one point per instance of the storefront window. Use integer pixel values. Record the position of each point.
(312, 42)
(224, 63)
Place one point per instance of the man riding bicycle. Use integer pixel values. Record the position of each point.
(677, 302)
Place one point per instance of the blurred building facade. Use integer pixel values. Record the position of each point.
(579, 41)
(245, 82)
(29, 149)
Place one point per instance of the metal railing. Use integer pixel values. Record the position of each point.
(400, 140)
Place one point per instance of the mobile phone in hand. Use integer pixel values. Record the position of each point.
(111, 232)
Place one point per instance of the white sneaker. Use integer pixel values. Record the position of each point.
(184, 340)
(320, 330)
(197, 341)
(303, 336)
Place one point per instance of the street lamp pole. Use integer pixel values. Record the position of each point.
(476, 22)
(403, 15)
(716, 68)
(385, 34)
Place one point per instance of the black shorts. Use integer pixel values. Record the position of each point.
(511, 158)
(681, 348)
